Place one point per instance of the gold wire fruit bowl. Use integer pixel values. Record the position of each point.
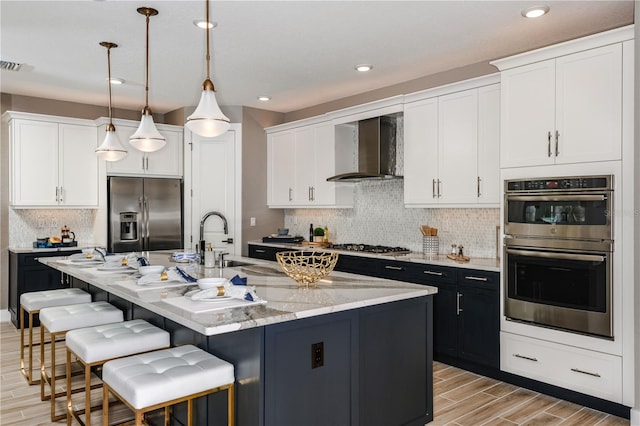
(307, 268)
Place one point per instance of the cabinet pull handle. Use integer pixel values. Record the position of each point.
(528, 358)
(433, 188)
(313, 193)
(290, 194)
(142, 163)
(61, 192)
(432, 273)
(395, 268)
(471, 277)
(557, 143)
(57, 199)
(479, 194)
(439, 182)
(549, 144)
(588, 373)
(458, 309)
(260, 251)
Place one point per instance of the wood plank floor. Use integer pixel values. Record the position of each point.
(461, 398)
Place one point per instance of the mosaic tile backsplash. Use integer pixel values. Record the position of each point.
(29, 224)
(379, 217)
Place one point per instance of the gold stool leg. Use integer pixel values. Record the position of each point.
(105, 405)
(231, 405)
(43, 372)
(69, 404)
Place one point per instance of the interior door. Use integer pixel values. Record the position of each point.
(213, 184)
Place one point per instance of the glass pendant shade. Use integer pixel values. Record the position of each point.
(208, 120)
(111, 148)
(147, 138)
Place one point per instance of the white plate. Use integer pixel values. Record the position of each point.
(86, 260)
(214, 299)
(115, 268)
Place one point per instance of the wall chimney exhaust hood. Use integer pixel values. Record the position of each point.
(377, 140)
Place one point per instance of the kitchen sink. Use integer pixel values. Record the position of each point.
(235, 264)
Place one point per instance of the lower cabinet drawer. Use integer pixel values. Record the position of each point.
(592, 373)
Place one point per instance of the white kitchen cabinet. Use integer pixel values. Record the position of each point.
(53, 162)
(590, 372)
(451, 145)
(300, 160)
(166, 162)
(563, 110)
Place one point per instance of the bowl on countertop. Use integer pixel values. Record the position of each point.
(283, 232)
(151, 269)
(207, 283)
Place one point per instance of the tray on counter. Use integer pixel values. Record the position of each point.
(55, 245)
(282, 239)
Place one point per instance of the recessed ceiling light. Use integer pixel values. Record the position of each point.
(264, 98)
(364, 67)
(202, 23)
(116, 80)
(535, 11)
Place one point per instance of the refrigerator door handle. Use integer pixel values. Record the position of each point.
(142, 224)
(146, 219)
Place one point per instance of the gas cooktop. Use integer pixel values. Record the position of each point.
(367, 248)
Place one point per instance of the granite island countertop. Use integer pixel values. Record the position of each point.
(285, 301)
(480, 263)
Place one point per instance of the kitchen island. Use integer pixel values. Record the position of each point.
(354, 351)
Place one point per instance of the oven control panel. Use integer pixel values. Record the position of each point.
(560, 184)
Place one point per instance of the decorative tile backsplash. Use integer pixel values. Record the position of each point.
(379, 217)
(29, 224)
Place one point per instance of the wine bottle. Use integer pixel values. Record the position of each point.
(311, 232)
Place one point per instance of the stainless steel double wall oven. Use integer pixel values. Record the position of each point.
(558, 251)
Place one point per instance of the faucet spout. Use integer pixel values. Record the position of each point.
(213, 213)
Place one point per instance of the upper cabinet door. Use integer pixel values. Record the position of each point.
(167, 161)
(458, 147)
(281, 175)
(304, 164)
(78, 174)
(324, 193)
(421, 152)
(528, 114)
(589, 105)
(489, 188)
(34, 171)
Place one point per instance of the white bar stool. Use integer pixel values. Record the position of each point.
(163, 378)
(31, 303)
(57, 321)
(93, 346)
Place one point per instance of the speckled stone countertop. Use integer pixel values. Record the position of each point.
(479, 263)
(285, 301)
(21, 250)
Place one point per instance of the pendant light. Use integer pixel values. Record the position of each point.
(111, 148)
(208, 120)
(147, 138)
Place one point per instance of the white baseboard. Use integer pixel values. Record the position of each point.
(5, 316)
(635, 417)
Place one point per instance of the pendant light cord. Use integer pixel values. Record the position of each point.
(146, 77)
(208, 55)
(109, 80)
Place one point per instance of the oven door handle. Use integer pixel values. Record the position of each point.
(556, 255)
(558, 198)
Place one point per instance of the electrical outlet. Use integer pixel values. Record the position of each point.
(54, 223)
(317, 354)
(253, 221)
(41, 223)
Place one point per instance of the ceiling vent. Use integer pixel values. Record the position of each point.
(11, 66)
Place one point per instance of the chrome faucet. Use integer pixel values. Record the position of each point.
(206, 216)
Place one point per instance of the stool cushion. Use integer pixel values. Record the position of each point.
(69, 317)
(104, 342)
(36, 300)
(156, 377)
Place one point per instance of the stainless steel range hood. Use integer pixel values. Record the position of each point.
(377, 140)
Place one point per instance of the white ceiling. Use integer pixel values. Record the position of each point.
(301, 53)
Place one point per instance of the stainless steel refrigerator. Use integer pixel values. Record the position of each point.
(144, 214)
